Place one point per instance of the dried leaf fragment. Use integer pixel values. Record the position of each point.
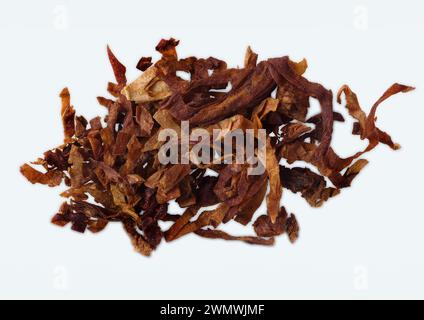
(68, 115)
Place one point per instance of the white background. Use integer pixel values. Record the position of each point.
(365, 243)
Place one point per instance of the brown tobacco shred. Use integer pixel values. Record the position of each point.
(115, 160)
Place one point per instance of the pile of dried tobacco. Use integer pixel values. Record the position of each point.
(116, 160)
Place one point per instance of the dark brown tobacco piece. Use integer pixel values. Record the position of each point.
(112, 166)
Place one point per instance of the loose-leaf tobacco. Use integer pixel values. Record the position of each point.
(115, 160)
